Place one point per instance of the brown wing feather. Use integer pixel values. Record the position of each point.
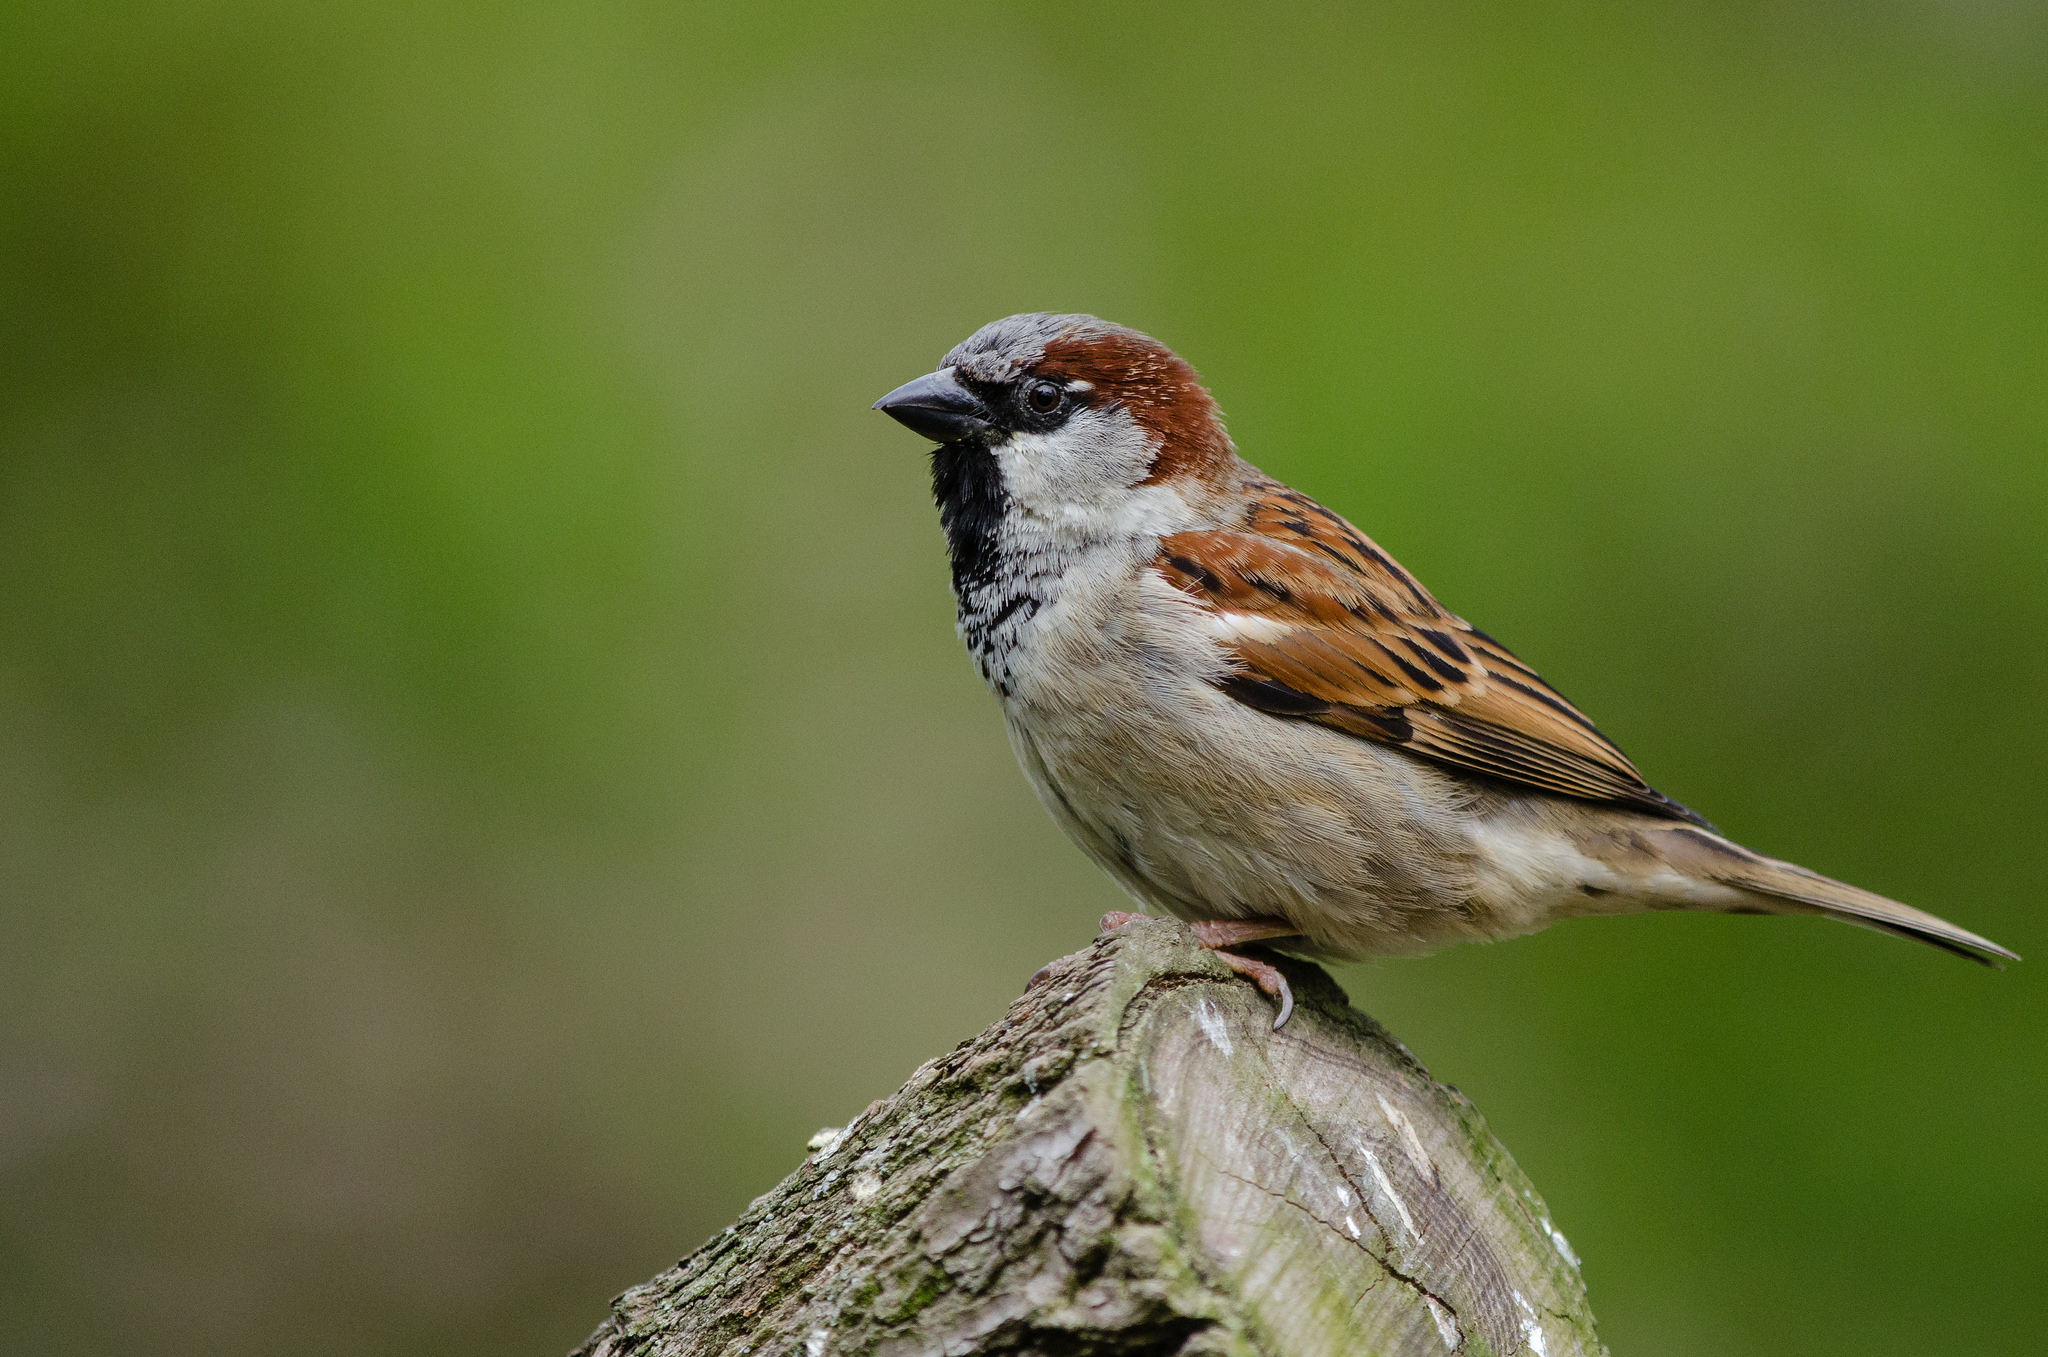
(1329, 628)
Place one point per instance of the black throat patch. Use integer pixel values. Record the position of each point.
(994, 595)
(969, 489)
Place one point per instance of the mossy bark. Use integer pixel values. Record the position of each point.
(1132, 1161)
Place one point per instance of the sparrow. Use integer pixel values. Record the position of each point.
(1251, 717)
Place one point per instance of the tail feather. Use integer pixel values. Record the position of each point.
(1787, 888)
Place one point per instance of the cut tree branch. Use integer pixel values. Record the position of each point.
(1131, 1162)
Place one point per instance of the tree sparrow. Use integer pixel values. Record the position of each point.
(1251, 716)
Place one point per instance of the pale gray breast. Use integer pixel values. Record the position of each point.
(1202, 806)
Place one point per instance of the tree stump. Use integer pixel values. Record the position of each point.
(1132, 1161)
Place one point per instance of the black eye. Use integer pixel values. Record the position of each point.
(1044, 397)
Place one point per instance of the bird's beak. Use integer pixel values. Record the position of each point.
(938, 407)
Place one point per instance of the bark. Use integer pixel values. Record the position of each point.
(1130, 1162)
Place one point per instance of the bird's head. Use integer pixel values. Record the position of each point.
(1063, 416)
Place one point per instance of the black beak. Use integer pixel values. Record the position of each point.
(938, 407)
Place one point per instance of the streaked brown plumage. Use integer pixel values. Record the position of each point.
(1364, 649)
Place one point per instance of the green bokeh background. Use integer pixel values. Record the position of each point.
(485, 769)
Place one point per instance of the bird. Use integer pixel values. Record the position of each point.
(1251, 716)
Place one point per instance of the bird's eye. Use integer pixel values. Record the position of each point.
(1044, 397)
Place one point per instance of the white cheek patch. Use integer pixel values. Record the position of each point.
(1093, 453)
(1081, 482)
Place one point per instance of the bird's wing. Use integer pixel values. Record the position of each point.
(1326, 627)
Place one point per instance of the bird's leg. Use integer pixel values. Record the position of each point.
(1216, 934)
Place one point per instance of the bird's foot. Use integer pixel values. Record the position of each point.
(1266, 977)
(1216, 934)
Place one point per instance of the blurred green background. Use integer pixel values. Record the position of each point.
(485, 767)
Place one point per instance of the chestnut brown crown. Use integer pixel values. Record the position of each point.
(1030, 373)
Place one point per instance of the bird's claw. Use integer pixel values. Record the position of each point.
(1213, 936)
(1267, 977)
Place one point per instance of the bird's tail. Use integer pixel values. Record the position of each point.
(1783, 888)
